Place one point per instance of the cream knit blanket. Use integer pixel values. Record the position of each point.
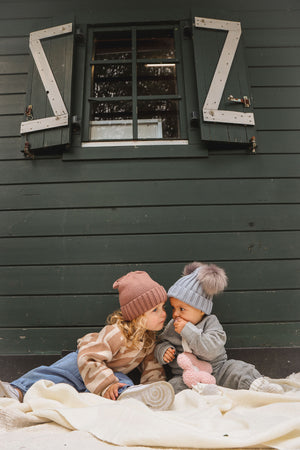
(57, 417)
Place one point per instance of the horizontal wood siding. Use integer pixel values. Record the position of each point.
(70, 225)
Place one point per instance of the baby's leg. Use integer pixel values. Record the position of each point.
(178, 384)
(235, 374)
(65, 370)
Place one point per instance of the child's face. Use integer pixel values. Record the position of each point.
(155, 318)
(185, 311)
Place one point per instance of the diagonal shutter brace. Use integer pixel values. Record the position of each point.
(211, 111)
(60, 117)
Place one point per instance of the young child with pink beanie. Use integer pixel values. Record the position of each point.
(194, 339)
(104, 359)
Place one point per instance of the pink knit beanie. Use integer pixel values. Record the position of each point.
(138, 293)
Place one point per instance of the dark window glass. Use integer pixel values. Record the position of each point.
(152, 44)
(156, 79)
(112, 80)
(110, 45)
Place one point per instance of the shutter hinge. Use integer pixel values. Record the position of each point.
(187, 32)
(253, 145)
(195, 119)
(79, 35)
(27, 152)
(76, 124)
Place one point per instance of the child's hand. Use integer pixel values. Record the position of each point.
(169, 355)
(112, 392)
(179, 324)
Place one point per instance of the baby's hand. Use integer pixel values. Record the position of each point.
(112, 392)
(169, 355)
(179, 324)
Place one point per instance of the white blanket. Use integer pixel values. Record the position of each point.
(226, 419)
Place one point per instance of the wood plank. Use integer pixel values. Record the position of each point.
(13, 84)
(13, 64)
(278, 119)
(12, 104)
(273, 57)
(10, 125)
(156, 10)
(263, 335)
(149, 193)
(278, 141)
(40, 340)
(10, 148)
(274, 76)
(257, 306)
(60, 57)
(275, 362)
(98, 279)
(282, 18)
(40, 311)
(104, 221)
(17, 10)
(22, 26)
(238, 167)
(282, 37)
(14, 46)
(90, 310)
(149, 248)
(54, 340)
(276, 97)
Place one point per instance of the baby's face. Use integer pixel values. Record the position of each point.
(185, 312)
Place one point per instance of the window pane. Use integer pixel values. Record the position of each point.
(111, 80)
(112, 45)
(111, 121)
(152, 44)
(156, 79)
(165, 118)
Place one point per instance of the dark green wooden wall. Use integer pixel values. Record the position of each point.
(72, 222)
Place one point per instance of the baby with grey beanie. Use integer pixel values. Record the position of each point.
(199, 283)
(202, 340)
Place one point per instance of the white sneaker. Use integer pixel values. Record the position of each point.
(159, 395)
(7, 390)
(262, 384)
(207, 389)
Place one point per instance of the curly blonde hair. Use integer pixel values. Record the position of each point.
(134, 330)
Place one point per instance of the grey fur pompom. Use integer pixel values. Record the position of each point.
(213, 279)
(189, 268)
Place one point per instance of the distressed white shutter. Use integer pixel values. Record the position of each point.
(48, 103)
(225, 101)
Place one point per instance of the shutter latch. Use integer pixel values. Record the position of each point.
(245, 100)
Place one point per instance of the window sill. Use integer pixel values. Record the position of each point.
(134, 144)
(134, 150)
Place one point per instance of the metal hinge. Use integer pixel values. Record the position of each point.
(245, 100)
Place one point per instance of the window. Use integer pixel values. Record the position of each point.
(134, 79)
(182, 84)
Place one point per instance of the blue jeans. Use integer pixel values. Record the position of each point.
(65, 370)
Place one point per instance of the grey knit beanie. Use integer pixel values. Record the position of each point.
(199, 283)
